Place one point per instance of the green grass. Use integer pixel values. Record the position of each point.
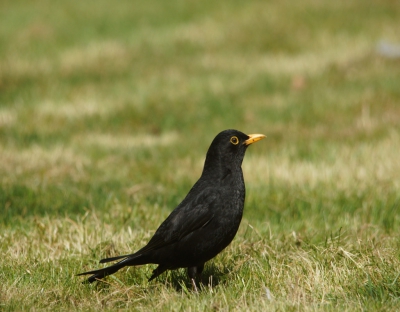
(107, 110)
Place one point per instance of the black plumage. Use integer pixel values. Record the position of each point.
(205, 222)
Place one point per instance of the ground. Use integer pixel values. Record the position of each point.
(107, 111)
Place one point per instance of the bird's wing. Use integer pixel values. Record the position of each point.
(187, 218)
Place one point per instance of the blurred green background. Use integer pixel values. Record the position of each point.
(109, 108)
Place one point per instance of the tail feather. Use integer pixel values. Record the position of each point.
(157, 271)
(113, 259)
(101, 273)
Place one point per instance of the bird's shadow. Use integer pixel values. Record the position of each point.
(178, 279)
(211, 277)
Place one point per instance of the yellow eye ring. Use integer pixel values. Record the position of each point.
(234, 140)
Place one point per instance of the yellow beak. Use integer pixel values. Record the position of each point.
(254, 138)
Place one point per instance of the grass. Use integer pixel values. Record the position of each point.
(107, 110)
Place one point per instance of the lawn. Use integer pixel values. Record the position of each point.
(107, 111)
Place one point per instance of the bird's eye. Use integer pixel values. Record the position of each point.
(234, 140)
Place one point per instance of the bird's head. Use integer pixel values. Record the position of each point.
(228, 148)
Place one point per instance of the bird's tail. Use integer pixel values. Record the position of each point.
(100, 273)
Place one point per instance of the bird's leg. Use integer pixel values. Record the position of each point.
(192, 272)
(200, 269)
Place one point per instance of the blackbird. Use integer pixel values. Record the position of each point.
(205, 222)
